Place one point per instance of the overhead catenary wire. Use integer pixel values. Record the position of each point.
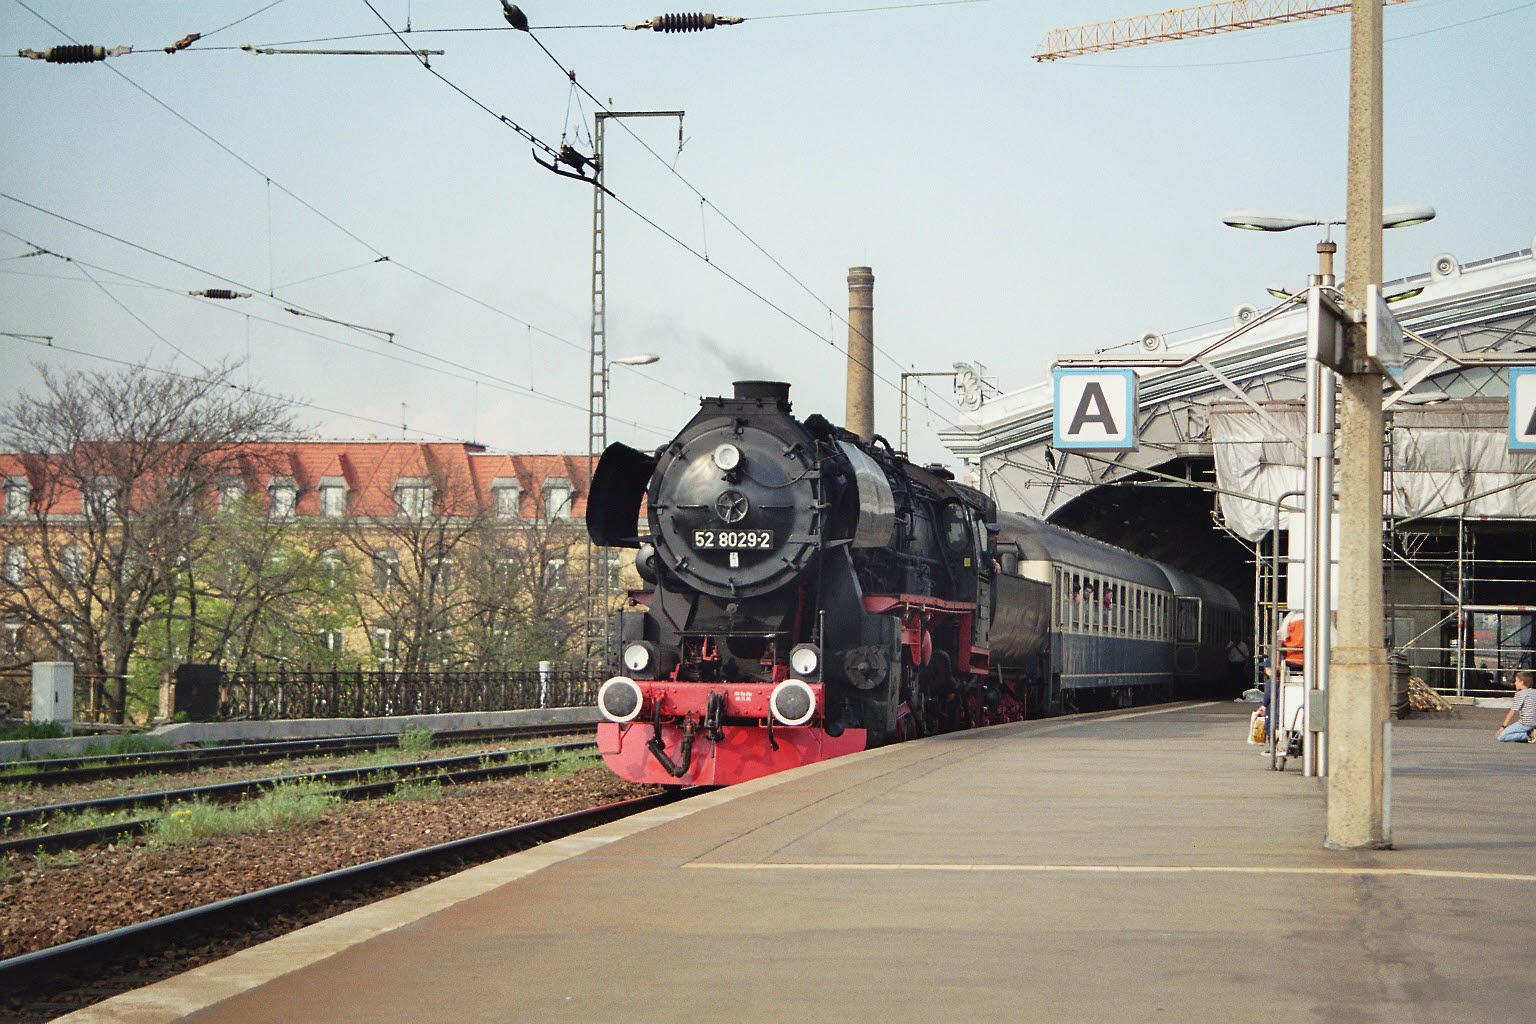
(289, 399)
(739, 230)
(367, 332)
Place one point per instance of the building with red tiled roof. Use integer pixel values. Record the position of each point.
(403, 552)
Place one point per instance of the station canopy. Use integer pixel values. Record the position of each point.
(1220, 433)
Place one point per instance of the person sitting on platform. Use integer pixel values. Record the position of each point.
(1520, 723)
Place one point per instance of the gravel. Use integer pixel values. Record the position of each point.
(49, 900)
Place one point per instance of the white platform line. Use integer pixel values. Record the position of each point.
(1124, 869)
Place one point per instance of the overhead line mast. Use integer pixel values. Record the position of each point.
(1182, 23)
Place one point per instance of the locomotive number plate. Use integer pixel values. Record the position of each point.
(732, 540)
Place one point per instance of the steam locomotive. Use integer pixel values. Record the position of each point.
(811, 595)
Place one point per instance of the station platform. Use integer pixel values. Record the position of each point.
(1138, 865)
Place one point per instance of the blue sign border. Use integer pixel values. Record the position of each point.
(1516, 428)
(1128, 412)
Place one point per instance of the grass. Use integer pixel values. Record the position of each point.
(33, 731)
(282, 807)
(73, 821)
(568, 762)
(63, 859)
(431, 789)
(416, 741)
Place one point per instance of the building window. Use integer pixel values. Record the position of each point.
(335, 565)
(333, 502)
(386, 643)
(231, 493)
(18, 495)
(330, 639)
(557, 498)
(15, 565)
(440, 573)
(285, 497)
(413, 497)
(100, 497)
(386, 570)
(72, 564)
(554, 573)
(13, 638)
(508, 496)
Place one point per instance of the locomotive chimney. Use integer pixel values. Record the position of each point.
(861, 352)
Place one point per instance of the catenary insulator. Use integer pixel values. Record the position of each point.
(686, 22)
(220, 293)
(77, 54)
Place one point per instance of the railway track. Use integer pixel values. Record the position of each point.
(137, 955)
(91, 768)
(347, 783)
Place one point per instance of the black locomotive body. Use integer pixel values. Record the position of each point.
(811, 595)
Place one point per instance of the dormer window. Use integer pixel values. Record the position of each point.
(557, 498)
(507, 494)
(285, 497)
(100, 497)
(18, 495)
(231, 493)
(333, 497)
(413, 497)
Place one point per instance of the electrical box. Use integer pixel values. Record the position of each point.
(53, 691)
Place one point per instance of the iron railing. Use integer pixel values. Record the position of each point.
(287, 693)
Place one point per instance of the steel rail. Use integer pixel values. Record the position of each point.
(230, 792)
(91, 767)
(40, 968)
(52, 842)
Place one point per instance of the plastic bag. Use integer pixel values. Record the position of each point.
(1258, 727)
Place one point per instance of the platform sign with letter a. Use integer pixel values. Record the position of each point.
(1522, 408)
(1095, 409)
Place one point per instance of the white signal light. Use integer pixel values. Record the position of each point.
(792, 703)
(805, 661)
(620, 699)
(637, 657)
(727, 457)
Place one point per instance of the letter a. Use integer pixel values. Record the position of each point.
(1093, 393)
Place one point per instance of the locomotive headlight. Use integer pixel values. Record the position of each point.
(638, 657)
(805, 661)
(792, 702)
(727, 457)
(619, 700)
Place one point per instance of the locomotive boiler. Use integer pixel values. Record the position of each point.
(808, 594)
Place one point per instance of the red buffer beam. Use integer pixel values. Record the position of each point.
(1182, 23)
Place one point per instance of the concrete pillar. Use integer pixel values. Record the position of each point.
(1358, 816)
(860, 418)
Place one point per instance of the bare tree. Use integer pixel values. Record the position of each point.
(120, 468)
(411, 598)
(528, 592)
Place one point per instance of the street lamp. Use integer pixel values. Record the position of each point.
(1401, 216)
(1319, 460)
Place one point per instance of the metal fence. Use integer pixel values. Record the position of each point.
(355, 693)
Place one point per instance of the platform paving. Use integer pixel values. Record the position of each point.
(1142, 865)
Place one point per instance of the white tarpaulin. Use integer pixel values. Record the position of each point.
(1448, 460)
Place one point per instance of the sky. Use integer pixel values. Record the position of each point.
(1013, 211)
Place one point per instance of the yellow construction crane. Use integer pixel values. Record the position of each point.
(1183, 23)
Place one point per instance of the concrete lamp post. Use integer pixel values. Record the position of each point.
(1356, 757)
